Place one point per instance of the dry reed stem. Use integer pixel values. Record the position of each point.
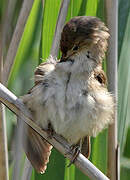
(112, 16)
(59, 27)
(3, 137)
(24, 13)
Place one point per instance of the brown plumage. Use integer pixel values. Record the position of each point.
(36, 148)
(84, 31)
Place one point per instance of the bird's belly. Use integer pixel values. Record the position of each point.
(78, 120)
(76, 112)
(69, 112)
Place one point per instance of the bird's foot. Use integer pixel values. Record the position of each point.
(76, 151)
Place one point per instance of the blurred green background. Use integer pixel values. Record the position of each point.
(35, 45)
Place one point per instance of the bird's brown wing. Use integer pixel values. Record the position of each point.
(37, 148)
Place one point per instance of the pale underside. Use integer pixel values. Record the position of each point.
(71, 99)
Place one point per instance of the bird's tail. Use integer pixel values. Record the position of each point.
(36, 148)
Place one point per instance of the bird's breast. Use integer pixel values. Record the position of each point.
(68, 102)
(75, 109)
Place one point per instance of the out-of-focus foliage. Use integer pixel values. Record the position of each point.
(124, 87)
(35, 44)
(50, 15)
(2, 8)
(124, 10)
(28, 51)
(126, 152)
(124, 83)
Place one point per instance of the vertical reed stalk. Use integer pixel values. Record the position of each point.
(24, 13)
(59, 26)
(3, 136)
(112, 15)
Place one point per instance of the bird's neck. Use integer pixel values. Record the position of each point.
(79, 63)
(83, 63)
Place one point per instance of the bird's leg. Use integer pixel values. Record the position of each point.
(76, 150)
(83, 146)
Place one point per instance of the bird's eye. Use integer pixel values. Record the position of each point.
(75, 48)
(99, 78)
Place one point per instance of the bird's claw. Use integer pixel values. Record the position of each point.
(76, 151)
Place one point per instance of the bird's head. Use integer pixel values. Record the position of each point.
(84, 34)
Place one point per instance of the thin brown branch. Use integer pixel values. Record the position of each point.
(16, 105)
(24, 13)
(112, 16)
(59, 27)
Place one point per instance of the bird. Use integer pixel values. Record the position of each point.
(70, 95)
